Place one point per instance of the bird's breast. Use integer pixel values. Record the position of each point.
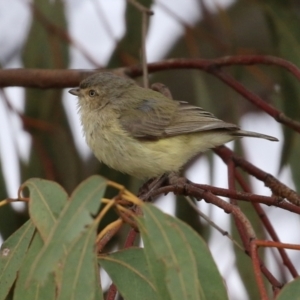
(115, 147)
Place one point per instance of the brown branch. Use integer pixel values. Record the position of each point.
(35, 75)
(191, 189)
(277, 245)
(213, 67)
(210, 64)
(257, 271)
(268, 226)
(183, 187)
(238, 224)
(130, 238)
(243, 196)
(41, 78)
(28, 122)
(256, 100)
(270, 181)
(112, 292)
(69, 78)
(61, 33)
(211, 223)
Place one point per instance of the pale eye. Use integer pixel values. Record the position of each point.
(92, 93)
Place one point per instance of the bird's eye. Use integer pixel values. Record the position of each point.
(92, 93)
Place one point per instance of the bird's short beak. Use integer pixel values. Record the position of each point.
(75, 91)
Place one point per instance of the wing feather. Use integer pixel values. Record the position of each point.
(154, 118)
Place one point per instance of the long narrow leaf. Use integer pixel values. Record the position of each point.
(34, 290)
(188, 268)
(12, 253)
(291, 291)
(76, 215)
(129, 271)
(47, 200)
(79, 274)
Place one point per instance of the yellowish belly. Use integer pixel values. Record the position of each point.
(145, 159)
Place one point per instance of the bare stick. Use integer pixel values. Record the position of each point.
(70, 78)
(146, 12)
(144, 50)
(141, 7)
(211, 223)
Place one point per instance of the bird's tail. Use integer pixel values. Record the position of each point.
(242, 133)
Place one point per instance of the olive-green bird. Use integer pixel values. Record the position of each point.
(143, 133)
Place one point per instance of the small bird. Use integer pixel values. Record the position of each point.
(143, 133)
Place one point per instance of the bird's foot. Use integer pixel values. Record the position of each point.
(180, 183)
(149, 186)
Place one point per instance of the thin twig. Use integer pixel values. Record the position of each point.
(268, 226)
(62, 34)
(211, 223)
(257, 271)
(270, 201)
(144, 50)
(277, 187)
(146, 12)
(68, 78)
(256, 100)
(107, 234)
(278, 245)
(141, 7)
(193, 190)
(238, 224)
(112, 292)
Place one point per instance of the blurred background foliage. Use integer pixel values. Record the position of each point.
(246, 27)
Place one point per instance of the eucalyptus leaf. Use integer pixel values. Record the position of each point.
(12, 253)
(35, 290)
(75, 216)
(290, 291)
(188, 267)
(129, 271)
(47, 199)
(79, 274)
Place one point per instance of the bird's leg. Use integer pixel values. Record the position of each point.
(145, 187)
(150, 185)
(179, 182)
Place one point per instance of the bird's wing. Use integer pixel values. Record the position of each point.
(189, 118)
(154, 119)
(148, 118)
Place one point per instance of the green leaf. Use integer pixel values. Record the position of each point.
(79, 272)
(45, 48)
(186, 213)
(155, 265)
(75, 216)
(34, 290)
(128, 270)
(284, 27)
(128, 49)
(291, 291)
(8, 218)
(294, 162)
(188, 267)
(13, 251)
(47, 200)
(53, 153)
(290, 91)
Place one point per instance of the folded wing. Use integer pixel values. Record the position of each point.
(154, 119)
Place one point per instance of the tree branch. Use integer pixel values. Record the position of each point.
(69, 78)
